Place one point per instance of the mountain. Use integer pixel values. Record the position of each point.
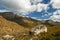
(50, 22)
(23, 21)
(9, 27)
(18, 26)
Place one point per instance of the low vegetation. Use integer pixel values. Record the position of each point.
(19, 27)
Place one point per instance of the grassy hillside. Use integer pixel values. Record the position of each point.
(23, 21)
(9, 27)
(19, 27)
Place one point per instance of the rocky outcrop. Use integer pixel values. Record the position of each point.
(38, 29)
(49, 22)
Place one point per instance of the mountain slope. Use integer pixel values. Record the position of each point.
(14, 24)
(23, 21)
(9, 27)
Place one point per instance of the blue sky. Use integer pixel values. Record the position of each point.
(43, 14)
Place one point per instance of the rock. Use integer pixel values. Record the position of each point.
(38, 29)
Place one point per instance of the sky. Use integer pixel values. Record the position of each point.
(36, 9)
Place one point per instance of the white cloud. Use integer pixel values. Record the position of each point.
(4, 11)
(41, 7)
(57, 12)
(42, 19)
(24, 6)
(49, 14)
(56, 3)
(56, 16)
(33, 17)
(36, 1)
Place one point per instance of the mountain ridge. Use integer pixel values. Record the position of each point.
(14, 24)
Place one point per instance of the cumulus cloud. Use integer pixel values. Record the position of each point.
(56, 3)
(41, 7)
(56, 16)
(24, 6)
(35, 1)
